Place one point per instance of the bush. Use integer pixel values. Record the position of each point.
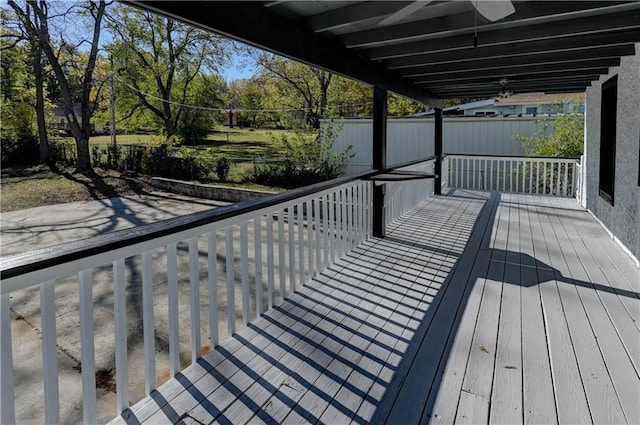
(192, 133)
(307, 159)
(19, 151)
(222, 167)
(161, 160)
(63, 152)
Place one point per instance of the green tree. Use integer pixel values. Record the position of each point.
(560, 136)
(159, 61)
(349, 98)
(38, 23)
(301, 87)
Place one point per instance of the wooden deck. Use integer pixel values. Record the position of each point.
(478, 307)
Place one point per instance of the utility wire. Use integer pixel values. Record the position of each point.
(206, 108)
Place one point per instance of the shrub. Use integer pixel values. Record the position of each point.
(307, 159)
(222, 166)
(63, 152)
(163, 161)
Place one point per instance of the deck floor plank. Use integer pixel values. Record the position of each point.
(477, 307)
(571, 399)
(506, 396)
(601, 396)
(598, 301)
(538, 406)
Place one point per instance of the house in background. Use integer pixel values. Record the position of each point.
(61, 122)
(522, 104)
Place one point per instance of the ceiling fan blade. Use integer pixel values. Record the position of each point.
(494, 10)
(404, 12)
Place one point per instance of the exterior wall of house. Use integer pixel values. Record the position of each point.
(623, 218)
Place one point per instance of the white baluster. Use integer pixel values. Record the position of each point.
(257, 240)
(194, 297)
(231, 301)
(244, 272)
(148, 323)
(49, 352)
(317, 221)
(270, 262)
(120, 318)
(281, 265)
(7, 403)
(325, 228)
(310, 244)
(87, 350)
(300, 215)
(292, 250)
(212, 280)
(172, 292)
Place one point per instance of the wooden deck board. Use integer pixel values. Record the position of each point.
(538, 406)
(476, 308)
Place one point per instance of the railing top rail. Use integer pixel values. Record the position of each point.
(33, 261)
(19, 264)
(513, 156)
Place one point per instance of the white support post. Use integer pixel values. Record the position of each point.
(194, 292)
(87, 349)
(172, 292)
(148, 323)
(212, 266)
(120, 318)
(7, 402)
(49, 352)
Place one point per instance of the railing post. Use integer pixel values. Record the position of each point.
(379, 157)
(437, 184)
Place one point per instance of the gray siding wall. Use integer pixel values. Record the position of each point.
(410, 139)
(622, 219)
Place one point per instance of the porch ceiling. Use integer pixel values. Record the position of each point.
(428, 55)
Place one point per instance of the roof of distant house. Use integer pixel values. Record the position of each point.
(540, 98)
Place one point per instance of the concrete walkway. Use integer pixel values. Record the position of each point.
(50, 225)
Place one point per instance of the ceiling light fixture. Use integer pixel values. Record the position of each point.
(503, 93)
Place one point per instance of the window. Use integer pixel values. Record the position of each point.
(531, 110)
(608, 138)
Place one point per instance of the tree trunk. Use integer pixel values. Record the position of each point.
(169, 127)
(40, 118)
(83, 164)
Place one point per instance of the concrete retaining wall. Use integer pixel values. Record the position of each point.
(206, 191)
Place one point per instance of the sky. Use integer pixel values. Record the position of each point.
(238, 68)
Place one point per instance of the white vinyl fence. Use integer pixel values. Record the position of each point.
(408, 139)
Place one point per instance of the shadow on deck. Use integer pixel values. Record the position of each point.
(477, 307)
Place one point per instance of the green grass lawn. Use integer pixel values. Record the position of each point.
(234, 142)
(38, 186)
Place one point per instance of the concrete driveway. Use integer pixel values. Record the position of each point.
(40, 227)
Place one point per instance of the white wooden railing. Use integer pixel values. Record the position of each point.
(263, 249)
(535, 175)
